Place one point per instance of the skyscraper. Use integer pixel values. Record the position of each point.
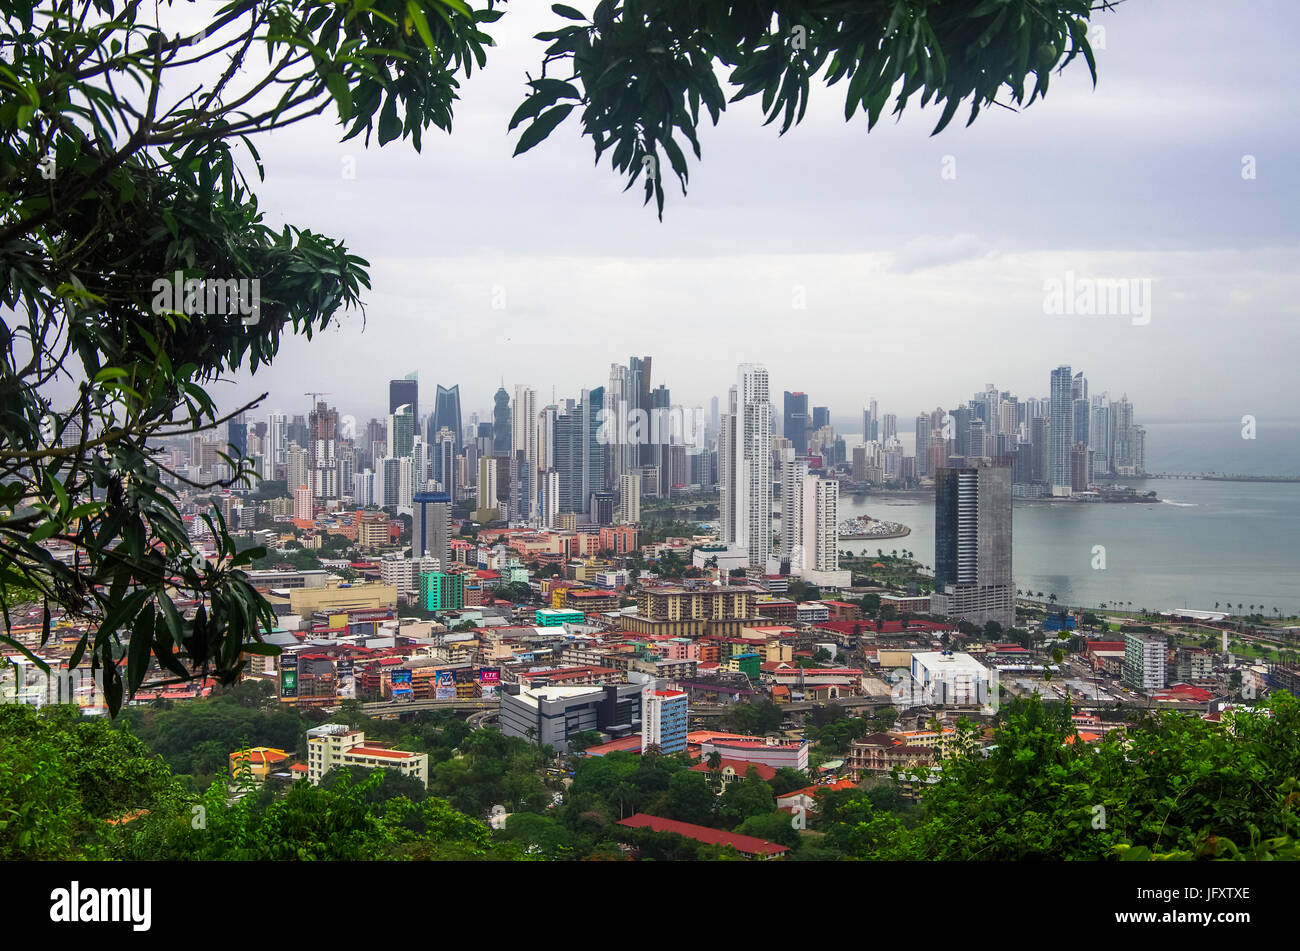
(746, 489)
(1061, 437)
(501, 436)
(322, 430)
(793, 472)
(405, 392)
(922, 448)
(431, 527)
(446, 415)
(401, 431)
(972, 542)
(795, 422)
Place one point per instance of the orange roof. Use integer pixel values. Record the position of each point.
(379, 751)
(262, 755)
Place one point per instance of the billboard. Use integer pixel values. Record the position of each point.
(445, 688)
(346, 679)
(489, 680)
(401, 681)
(288, 676)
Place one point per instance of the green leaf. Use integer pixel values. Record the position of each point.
(542, 126)
(414, 11)
(568, 12)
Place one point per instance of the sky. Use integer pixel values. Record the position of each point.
(892, 265)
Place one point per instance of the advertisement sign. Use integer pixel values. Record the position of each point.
(401, 681)
(445, 682)
(489, 679)
(346, 679)
(288, 676)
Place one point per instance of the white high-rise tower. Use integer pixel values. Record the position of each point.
(745, 466)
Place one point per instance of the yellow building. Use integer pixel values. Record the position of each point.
(261, 760)
(335, 598)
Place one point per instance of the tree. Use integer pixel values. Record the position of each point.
(746, 798)
(689, 798)
(104, 198)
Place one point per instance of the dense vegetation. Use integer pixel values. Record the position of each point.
(1173, 785)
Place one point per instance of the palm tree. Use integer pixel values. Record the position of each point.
(1052, 597)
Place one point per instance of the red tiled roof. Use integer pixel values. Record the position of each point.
(378, 751)
(741, 843)
(740, 766)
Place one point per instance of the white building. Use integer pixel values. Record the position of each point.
(629, 499)
(945, 677)
(745, 466)
(334, 745)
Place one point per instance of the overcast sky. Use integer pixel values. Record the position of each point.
(918, 289)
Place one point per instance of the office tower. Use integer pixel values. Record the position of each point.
(593, 451)
(938, 456)
(550, 501)
(446, 458)
(602, 508)
(795, 421)
(546, 417)
(793, 472)
(1079, 387)
(1082, 417)
(1099, 439)
(523, 427)
(618, 449)
(638, 398)
(746, 484)
(629, 498)
(1080, 467)
(820, 525)
(922, 449)
(714, 416)
(237, 436)
(501, 436)
(972, 558)
(487, 482)
(889, 427)
(322, 431)
(296, 431)
(976, 443)
(821, 416)
(388, 482)
(401, 431)
(1061, 437)
(405, 392)
(446, 415)
(431, 526)
(859, 463)
(1040, 432)
(961, 418)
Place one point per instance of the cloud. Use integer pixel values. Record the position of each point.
(932, 251)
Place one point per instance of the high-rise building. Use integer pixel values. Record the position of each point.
(796, 422)
(445, 458)
(302, 503)
(487, 482)
(638, 398)
(664, 720)
(602, 508)
(1099, 440)
(820, 526)
(1061, 437)
(550, 503)
(793, 472)
(746, 483)
(405, 392)
(401, 431)
(889, 427)
(1040, 431)
(446, 415)
(629, 498)
(972, 559)
(431, 526)
(501, 436)
(276, 446)
(322, 431)
(1080, 467)
(821, 416)
(523, 428)
(1144, 660)
(923, 444)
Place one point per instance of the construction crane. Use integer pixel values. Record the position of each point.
(313, 396)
